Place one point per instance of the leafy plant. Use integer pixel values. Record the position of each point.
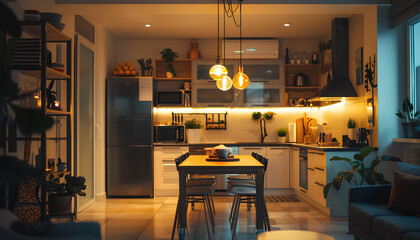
(256, 116)
(145, 65)
(368, 174)
(281, 132)
(193, 124)
(169, 56)
(409, 115)
(269, 115)
(70, 187)
(351, 123)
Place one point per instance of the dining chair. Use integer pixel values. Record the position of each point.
(245, 192)
(244, 177)
(197, 191)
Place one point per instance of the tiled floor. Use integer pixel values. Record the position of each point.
(135, 219)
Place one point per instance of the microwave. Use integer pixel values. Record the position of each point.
(170, 98)
(172, 133)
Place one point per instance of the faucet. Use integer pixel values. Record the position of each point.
(263, 131)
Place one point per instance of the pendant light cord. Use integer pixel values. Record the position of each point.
(240, 33)
(224, 38)
(218, 47)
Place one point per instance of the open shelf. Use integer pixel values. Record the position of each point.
(182, 69)
(406, 140)
(33, 29)
(174, 79)
(53, 112)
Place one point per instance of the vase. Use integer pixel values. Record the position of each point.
(59, 205)
(282, 139)
(194, 53)
(415, 130)
(194, 135)
(406, 129)
(352, 132)
(146, 73)
(169, 75)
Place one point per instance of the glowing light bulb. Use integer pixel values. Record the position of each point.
(218, 71)
(225, 83)
(240, 80)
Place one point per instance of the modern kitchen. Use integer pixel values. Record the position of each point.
(154, 87)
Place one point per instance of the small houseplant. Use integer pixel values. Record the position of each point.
(169, 57)
(351, 129)
(269, 116)
(146, 67)
(367, 175)
(193, 127)
(61, 193)
(411, 126)
(256, 116)
(281, 135)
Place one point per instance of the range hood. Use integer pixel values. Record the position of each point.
(340, 86)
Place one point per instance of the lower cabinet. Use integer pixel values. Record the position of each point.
(166, 175)
(316, 176)
(277, 174)
(294, 167)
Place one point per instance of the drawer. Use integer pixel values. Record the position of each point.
(318, 193)
(320, 175)
(170, 178)
(168, 165)
(318, 158)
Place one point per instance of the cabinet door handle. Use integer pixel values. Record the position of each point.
(319, 153)
(215, 105)
(302, 190)
(319, 168)
(311, 169)
(320, 184)
(259, 105)
(172, 148)
(252, 148)
(278, 148)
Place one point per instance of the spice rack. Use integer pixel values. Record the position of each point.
(215, 121)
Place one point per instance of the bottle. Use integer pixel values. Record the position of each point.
(314, 58)
(287, 60)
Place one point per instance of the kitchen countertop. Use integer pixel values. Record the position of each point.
(268, 144)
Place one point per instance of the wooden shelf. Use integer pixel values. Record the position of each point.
(35, 72)
(308, 88)
(53, 112)
(304, 65)
(406, 140)
(33, 29)
(65, 173)
(174, 79)
(182, 69)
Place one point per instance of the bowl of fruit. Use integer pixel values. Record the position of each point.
(124, 69)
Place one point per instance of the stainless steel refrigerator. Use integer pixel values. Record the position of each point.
(129, 143)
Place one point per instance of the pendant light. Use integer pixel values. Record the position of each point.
(240, 80)
(225, 83)
(218, 71)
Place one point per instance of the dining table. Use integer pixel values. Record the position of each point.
(198, 164)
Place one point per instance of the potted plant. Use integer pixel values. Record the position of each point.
(269, 116)
(411, 126)
(351, 129)
(169, 56)
(366, 175)
(60, 194)
(146, 67)
(193, 127)
(256, 116)
(281, 135)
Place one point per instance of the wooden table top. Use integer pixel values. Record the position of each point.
(200, 161)
(293, 235)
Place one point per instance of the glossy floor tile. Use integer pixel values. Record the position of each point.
(145, 219)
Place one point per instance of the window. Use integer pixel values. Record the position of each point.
(414, 85)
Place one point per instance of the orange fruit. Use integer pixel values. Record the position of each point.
(125, 68)
(130, 68)
(115, 72)
(120, 72)
(128, 63)
(119, 69)
(127, 72)
(122, 64)
(134, 73)
(114, 68)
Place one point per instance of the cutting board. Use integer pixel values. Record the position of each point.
(301, 125)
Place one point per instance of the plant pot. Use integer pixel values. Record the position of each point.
(352, 132)
(415, 130)
(194, 135)
(169, 75)
(59, 205)
(282, 139)
(406, 130)
(146, 73)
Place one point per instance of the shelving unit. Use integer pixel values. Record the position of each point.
(312, 71)
(48, 34)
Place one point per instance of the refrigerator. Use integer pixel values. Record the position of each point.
(129, 143)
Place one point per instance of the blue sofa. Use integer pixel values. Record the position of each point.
(369, 219)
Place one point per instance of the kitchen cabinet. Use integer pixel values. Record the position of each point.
(316, 176)
(294, 167)
(165, 172)
(277, 175)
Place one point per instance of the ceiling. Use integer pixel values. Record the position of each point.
(199, 21)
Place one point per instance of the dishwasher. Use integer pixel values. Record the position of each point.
(221, 179)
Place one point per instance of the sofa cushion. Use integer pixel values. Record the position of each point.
(411, 236)
(405, 194)
(409, 169)
(363, 213)
(394, 227)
